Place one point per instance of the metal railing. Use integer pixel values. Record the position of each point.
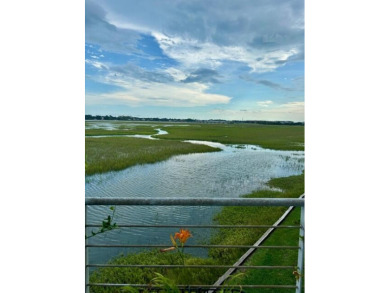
(286, 202)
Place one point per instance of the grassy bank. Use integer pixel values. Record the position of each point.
(267, 257)
(292, 186)
(116, 153)
(268, 136)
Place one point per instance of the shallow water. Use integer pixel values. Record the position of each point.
(148, 136)
(235, 171)
(160, 132)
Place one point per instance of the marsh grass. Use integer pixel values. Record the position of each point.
(266, 257)
(146, 275)
(276, 137)
(116, 153)
(292, 186)
(121, 129)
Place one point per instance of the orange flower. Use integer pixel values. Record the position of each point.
(183, 235)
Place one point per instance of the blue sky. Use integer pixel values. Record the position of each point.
(221, 59)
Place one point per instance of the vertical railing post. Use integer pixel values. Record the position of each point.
(301, 252)
(86, 254)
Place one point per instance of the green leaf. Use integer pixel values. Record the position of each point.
(173, 241)
(129, 289)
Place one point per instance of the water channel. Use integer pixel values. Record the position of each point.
(232, 172)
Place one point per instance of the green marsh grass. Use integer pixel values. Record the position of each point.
(122, 129)
(267, 257)
(145, 275)
(116, 153)
(278, 137)
(292, 187)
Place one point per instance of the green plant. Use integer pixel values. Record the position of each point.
(168, 285)
(232, 279)
(128, 289)
(107, 225)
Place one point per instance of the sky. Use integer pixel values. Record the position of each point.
(220, 59)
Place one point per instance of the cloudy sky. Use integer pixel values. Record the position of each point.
(221, 59)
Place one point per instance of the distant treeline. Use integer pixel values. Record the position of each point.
(131, 118)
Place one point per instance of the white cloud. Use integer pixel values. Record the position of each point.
(141, 92)
(176, 74)
(264, 35)
(264, 103)
(228, 37)
(293, 111)
(153, 88)
(157, 94)
(190, 53)
(258, 23)
(96, 64)
(98, 30)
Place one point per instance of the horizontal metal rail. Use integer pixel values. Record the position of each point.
(286, 202)
(187, 246)
(187, 266)
(196, 286)
(194, 226)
